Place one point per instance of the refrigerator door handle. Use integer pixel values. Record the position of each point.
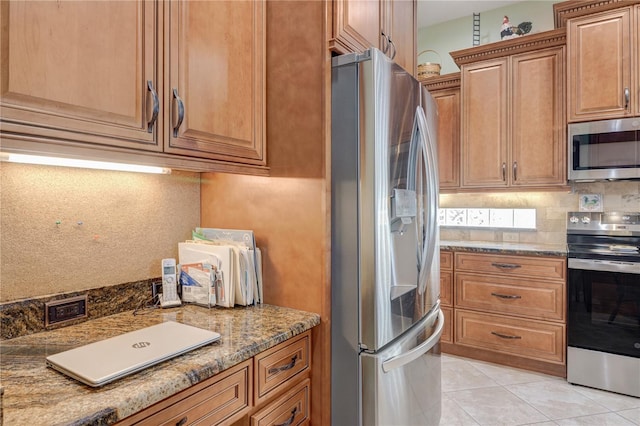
(432, 199)
(418, 351)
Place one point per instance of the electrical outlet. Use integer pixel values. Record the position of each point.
(156, 289)
(64, 310)
(510, 237)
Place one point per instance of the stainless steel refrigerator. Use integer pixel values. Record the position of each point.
(385, 266)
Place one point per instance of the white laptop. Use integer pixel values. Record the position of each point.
(107, 360)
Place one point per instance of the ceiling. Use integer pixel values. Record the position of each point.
(435, 11)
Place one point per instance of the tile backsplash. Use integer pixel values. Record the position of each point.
(550, 211)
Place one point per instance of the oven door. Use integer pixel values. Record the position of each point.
(604, 306)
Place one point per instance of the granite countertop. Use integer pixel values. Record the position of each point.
(529, 249)
(34, 393)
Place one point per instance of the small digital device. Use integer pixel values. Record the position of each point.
(169, 297)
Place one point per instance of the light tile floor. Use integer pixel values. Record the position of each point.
(479, 393)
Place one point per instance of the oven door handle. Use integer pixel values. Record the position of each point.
(604, 265)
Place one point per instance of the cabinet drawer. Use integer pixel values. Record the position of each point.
(516, 266)
(279, 364)
(446, 260)
(521, 297)
(291, 409)
(525, 338)
(228, 396)
(446, 288)
(447, 331)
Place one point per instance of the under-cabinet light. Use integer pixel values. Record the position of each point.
(85, 164)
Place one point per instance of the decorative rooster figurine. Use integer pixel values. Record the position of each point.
(509, 31)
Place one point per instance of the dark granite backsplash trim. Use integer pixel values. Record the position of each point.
(27, 316)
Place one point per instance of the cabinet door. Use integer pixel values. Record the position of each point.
(484, 124)
(356, 24)
(636, 64)
(79, 71)
(400, 26)
(599, 65)
(448, 102)
(216, 74)
(538, 141)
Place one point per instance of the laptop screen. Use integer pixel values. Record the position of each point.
(104, 361)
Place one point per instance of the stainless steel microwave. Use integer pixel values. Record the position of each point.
(604, 150)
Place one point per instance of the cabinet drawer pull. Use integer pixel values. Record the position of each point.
(627, 95)
(504, 172)
(178, 113)
(285, 367)
(290, 419)
(515, 171)
(506, 265)
(505, 336)
(183, 421)
(155, 108)
(506, 296)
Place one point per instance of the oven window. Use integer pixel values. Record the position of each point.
(604, 311)
(613, 150)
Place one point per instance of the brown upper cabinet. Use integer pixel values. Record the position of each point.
(80, 71)
(174, 80)
(384, 24)
(445, 90)
(603, 65)
(215, 61)
(512, 113)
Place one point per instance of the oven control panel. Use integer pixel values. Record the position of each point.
(603, 223)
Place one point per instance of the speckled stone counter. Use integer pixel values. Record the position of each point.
(528, 249)
(35, 394)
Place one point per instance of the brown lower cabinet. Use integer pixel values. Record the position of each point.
(506, 309)
(272, 388)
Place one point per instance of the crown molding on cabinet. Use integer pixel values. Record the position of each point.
(509, 47)
(575, 8)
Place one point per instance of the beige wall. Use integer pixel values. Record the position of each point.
(551, 210)
(457, 34)
(130, 221)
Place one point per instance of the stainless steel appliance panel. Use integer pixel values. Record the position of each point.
(603, 300)
(384, 237)
(606, 149)
(401, 384)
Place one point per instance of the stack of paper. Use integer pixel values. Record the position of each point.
(233, 264)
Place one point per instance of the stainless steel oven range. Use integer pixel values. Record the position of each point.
(603, 301)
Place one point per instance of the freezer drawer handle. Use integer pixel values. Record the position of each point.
(418, 351)
(289, 366)
(506, 296)
(506, 265)
(505, 336)
(290, 419)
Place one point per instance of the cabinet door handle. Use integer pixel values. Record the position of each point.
(506, 296)
(627, 95)
(504, 172)
(183, 421)
(506, 265)
(285, 367)
(515, 171)
(290, 419)
(178, 113)
(155, 106)
(391, 44)
(505, 336)
(385, 42)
